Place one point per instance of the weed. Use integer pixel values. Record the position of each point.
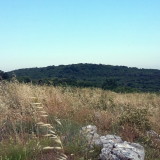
(137, 118)
(25, 129)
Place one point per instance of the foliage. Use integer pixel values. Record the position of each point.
(136, 117)
(14, 151)
(117, 78)
(3, 75)
(110, 84)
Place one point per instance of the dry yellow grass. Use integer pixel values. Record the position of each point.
(15, 99)
(83, 106)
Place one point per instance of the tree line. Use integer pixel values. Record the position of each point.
(116, 78)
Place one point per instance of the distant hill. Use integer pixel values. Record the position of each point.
(94, 75)
(3, 75)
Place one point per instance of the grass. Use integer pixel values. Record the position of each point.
(128, 115)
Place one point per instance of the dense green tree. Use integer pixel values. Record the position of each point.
(94, 75)
(3, 75)
(109, 84)
(24, 79)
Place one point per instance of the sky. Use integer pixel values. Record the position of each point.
(39, 33)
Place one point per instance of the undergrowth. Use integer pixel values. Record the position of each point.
(26, 132)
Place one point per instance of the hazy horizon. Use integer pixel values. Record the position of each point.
(37, 33)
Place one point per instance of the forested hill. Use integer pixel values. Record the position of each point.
(3, 75)
(105, 76)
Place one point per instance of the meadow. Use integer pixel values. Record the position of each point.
(44, 122)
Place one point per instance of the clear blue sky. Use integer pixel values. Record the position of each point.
(37, 33)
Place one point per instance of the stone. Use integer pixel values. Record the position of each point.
(112, 146)
(126, 150)
(90, 133)
(152, 133)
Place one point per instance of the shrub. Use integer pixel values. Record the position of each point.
(136, 117)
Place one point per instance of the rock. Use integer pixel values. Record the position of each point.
(116, 149)
(113, 148)
(110, 139)
(132, 151)
(91, 134)
(90, 129)
(152, 133)
(154, 136)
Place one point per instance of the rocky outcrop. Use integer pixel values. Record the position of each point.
(113, 147)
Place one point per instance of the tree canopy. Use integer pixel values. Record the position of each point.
(94, 75)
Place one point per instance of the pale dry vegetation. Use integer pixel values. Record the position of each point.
(128, 115)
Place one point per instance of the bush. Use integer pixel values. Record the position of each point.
(136, 117)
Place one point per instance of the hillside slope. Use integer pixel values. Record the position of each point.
(96, 75)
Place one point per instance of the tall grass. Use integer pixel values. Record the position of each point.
(128, 115)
